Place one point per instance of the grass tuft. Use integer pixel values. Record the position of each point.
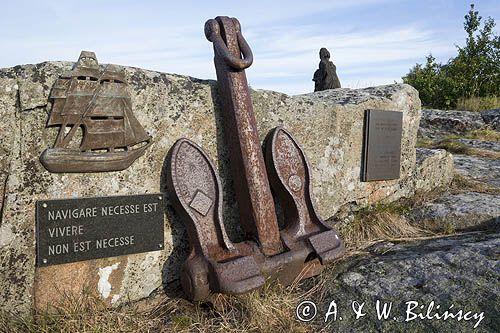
(453, 146)
(460, 184)
(381, 221)
(83, 313)
(477, 104)
(424, 143)
(483, 135)
(269, 309)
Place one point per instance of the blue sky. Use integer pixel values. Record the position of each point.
(372, 42)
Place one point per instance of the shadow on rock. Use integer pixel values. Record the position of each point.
(180, 243)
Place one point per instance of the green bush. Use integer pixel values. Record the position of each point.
(474, 72)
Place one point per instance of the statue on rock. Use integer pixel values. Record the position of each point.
(326, 76)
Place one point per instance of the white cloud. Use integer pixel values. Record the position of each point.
(162, 36)
(363, 57)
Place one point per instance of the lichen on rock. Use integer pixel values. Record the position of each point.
(328, 124)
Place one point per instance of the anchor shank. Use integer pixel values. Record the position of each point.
(253, 194)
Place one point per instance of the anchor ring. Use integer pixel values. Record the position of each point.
(213, 34)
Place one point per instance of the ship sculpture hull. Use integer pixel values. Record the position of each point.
(59, 160)
(96, 101)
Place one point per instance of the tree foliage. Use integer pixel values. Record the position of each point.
(474, 72)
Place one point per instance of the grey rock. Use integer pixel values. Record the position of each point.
(432, 164)
(433, 169)
(329, 126)
(479, 144)
(344, 96)
(462, 271)
(492, 117)
(459, 211)
(481, 169)
(439, 123)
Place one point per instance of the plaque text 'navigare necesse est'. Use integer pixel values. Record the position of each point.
(80, 229)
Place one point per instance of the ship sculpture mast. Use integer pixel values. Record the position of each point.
(99, 103)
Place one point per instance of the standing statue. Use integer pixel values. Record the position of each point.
(326, 76)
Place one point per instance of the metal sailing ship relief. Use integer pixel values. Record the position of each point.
(97, 101)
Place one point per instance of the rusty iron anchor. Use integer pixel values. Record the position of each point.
(215, 264)
(255, 202)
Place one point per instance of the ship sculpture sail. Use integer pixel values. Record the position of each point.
(98, 102)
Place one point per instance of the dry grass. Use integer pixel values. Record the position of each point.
(424, 143)
(421, 197)
(83, 313)
(489, 154)
(438, 227)
(269, 309)
(449, 143)
(477, 104)
(380, 222)
(453, 146)
(460, 184)
(484, 135)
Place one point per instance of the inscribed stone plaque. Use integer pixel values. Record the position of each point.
(79, 229)
(382, 145)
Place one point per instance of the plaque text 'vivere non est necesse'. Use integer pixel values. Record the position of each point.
(89, 228)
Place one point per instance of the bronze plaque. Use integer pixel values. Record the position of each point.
(80, 229)
(382, 145)
(96, 100)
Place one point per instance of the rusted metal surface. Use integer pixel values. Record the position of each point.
(290, 176)
(98, 102)
(196, 194)
(255, 202)
(216, 264)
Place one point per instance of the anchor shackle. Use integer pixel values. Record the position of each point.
(229, 44)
